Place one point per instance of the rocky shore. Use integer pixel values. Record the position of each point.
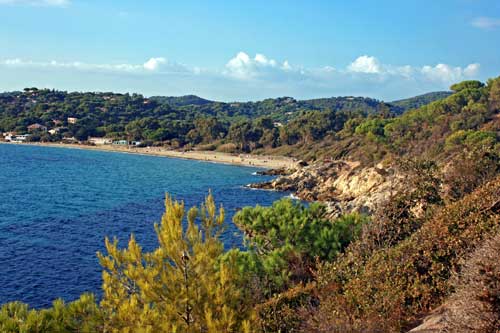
(344, 186)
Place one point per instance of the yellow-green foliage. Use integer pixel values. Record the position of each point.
(471, 139)
(82, 315)
(179, 287)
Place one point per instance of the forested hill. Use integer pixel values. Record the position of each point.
(420, 100)
(185, 120)
(281, 107)
(181, 100)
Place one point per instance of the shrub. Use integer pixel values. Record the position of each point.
(284, 312)
(206, 147)
(471, 139)
(475, 306)
(286, 240)
(469, 169)
(373, 129)
(227, 148)
(82, 315)
(394, 285)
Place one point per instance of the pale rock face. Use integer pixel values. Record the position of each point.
(343, 186)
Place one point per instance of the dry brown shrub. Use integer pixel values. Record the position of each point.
(227, 148)
(475, 306)
(393, 286)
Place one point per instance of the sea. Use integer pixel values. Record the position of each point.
(57, 205)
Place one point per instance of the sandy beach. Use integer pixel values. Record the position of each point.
(262, 161)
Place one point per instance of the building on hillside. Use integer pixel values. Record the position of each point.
(70, 140)
(72, 120)
(120, 142)
(20, 138)
(57, 122)
(100, 141)
(37, 127)
(7, 136)
(56, 130)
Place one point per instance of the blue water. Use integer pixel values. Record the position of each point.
(57, 205)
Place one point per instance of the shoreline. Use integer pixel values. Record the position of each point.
(260, 161)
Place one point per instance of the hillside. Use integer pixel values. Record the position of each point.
(181, 100)
(429, 179)
(421, 100)
(185, 121)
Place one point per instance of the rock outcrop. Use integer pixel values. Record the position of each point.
(276, 172)
(343, 186)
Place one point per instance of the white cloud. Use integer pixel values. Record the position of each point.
(53, 64)
(365, 64)
(246, 77)
(406, 71)
(486, 22)
(262, 60)
(48, 3)
(240, 66)
(154, 64)
(472, 70)
(444, 73)
(286, 66)
(449, 74)
(244, 67)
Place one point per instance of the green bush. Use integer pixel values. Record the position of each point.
(471, 139)
(372, 128)
(286, 239)
(82, 315)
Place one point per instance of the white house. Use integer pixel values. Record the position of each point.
(100, 141)
(55, 130)
(7, 136)
(20, 138)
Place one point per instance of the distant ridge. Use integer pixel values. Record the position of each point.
(181, 100)
(333, 103)
(420, 100)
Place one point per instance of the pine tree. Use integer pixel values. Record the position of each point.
(182, 286)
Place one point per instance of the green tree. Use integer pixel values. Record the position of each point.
(494, 97)
(287, 238)
(182, 286)
(471, 84)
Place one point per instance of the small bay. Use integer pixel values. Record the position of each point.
(57, 205)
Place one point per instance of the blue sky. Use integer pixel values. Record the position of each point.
(248, 50)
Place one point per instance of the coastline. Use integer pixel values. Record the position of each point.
(260, 161)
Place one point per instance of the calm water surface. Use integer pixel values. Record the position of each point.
(57, 205)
